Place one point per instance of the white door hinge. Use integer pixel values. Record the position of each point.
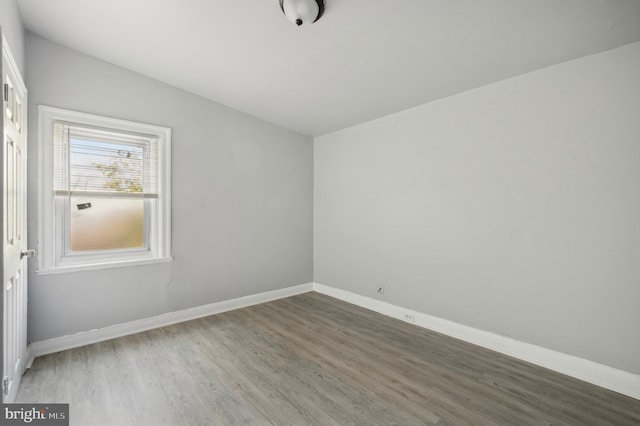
(6, 92)
(5, 386)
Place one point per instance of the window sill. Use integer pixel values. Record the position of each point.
(99, 266)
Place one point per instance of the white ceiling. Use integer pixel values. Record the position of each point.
(364, 58)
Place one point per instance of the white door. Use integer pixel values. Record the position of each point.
(14, 219)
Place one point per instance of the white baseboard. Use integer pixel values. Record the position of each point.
(58, 344)
(607, 377)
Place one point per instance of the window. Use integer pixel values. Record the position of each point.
(104, 191)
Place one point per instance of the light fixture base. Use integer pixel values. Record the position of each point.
(302, 12)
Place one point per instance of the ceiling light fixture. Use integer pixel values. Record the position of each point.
(302, 12)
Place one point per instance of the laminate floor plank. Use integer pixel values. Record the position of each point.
(356, 366)
(310, 360)
(394, 366)
(329, 380)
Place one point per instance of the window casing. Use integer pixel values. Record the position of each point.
(104, 192)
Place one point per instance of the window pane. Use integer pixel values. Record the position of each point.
(106, 224)
(95, 165)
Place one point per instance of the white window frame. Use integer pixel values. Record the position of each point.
(52, 222)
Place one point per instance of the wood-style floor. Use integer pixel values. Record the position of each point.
(310, 360)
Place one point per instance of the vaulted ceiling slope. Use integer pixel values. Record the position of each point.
(364, 59)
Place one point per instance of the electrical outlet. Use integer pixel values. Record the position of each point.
(410, 317)
(381, 289)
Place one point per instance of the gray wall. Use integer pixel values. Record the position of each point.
(13, 30)
(242, 199)
(513, 208)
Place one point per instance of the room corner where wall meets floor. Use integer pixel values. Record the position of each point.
(588, 371)
(607, 377)
(58, 344)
